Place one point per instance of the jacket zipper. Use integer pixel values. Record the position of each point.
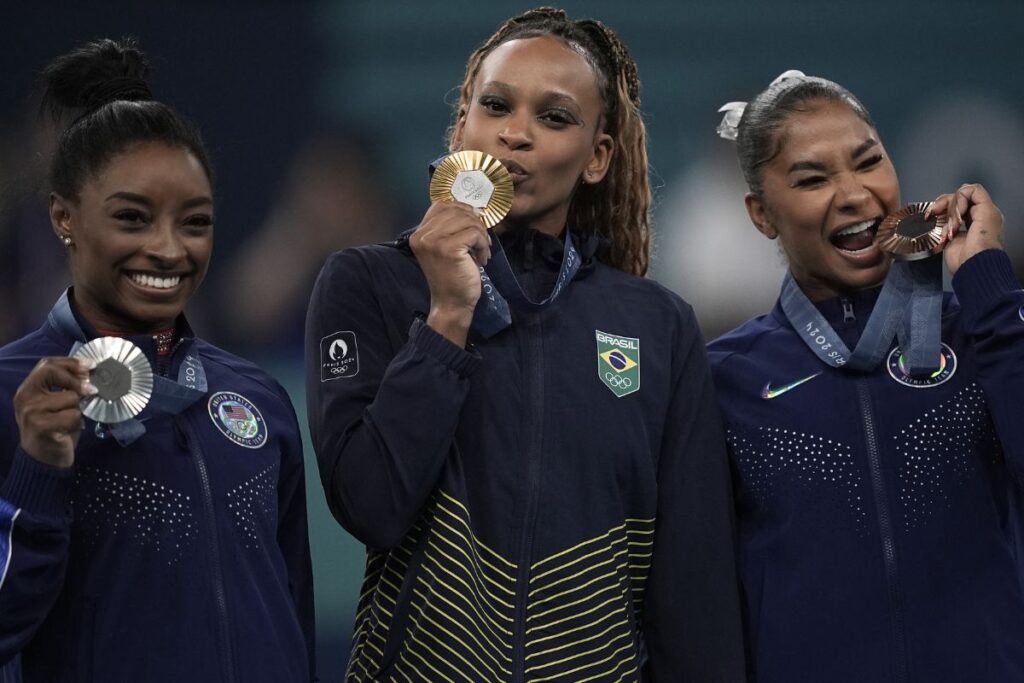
(534, 427)
(886, 532)
(220, 598)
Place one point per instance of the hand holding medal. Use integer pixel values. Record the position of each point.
(972, 208)
(470, 192)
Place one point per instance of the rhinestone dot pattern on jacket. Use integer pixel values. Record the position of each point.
(254, 503)
(939, 453)
(144, 514)
(771, 458)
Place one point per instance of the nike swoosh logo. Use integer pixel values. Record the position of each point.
(768, 392)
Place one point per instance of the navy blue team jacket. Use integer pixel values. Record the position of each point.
(528, 514)
(878, 512)
(181, 557)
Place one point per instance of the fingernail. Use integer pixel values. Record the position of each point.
(86, 364)
(477, 211)
(88, 389)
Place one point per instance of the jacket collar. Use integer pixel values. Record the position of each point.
(69, 326)
(525, 243)
(833, 309)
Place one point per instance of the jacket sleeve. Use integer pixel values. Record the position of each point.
(383, 430)
(692, 622)
(992, 309)
(293, 531)
(35, 533)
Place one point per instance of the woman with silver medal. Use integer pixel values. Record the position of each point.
(872, 421)
(517, 425)
(152, 506)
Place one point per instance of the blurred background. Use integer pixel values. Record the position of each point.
(321, 117)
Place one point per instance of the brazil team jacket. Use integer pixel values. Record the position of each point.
(181, 557)
(553, 504)
(879, 512)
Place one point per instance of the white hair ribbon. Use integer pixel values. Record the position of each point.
(728, 129)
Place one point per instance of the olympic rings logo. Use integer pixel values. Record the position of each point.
(618, 381)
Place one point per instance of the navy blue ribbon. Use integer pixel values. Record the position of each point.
(909, 307)
(169, 397)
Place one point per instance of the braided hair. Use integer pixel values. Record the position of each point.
(618, 207)
(98, 95)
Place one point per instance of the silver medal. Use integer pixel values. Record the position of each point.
(123, 378)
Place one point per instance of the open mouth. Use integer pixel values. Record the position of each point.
(857, 238)
(155, 282)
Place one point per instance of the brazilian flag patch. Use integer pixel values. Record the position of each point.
(618, 362)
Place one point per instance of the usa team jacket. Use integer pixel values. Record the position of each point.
(878, 512)
(181, 557)
(553, 504)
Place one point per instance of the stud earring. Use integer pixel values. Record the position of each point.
(66, 239)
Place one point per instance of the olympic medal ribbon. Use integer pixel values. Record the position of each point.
(908, 307)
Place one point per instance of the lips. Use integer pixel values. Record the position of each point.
(514, 169)
(855, 237)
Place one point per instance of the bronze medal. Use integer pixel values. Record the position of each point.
(907, 236)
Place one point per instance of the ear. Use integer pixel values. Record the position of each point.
(601, 160)
(460, 126)
(760, 216)
(60, 216)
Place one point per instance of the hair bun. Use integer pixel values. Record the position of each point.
(95, 74)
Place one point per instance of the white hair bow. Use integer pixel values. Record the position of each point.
(728, 129)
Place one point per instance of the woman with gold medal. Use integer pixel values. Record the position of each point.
(873, 422)
(518, 426)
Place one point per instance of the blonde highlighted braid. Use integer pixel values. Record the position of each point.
(617, 208)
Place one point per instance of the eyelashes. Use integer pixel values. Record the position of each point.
(553, 117)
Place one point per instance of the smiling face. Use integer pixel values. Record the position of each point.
(824, 195)
(142, 234)
(536, 107)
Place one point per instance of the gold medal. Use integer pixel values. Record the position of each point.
(907, 236)
(477, 179)
(123, 379)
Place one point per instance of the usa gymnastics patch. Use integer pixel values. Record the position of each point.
(238, 419)
(898, 369)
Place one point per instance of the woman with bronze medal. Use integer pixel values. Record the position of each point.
(152, 504)
(873, 422)
(517, 425)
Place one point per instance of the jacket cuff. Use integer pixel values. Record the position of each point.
(982, 281)
(437, 346)
(38, 487)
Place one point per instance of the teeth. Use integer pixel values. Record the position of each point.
(156, 282)
(854, 229)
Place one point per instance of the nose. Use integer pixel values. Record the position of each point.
(851, 194)
(516, 133)
(165, 245)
